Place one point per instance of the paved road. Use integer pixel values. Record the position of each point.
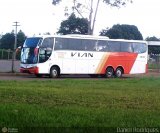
(6, 66)
(25, 76)
(22, 76)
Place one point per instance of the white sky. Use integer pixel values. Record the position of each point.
(40, 16)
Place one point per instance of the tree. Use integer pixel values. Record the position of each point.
(20, 38)
(74, 25)
(86, 6)
(153, 49)
(130, 32)
(152, 39)
(7, 41)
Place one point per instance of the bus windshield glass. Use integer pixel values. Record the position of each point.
(32, 42)
(29, 55)
(36, 50)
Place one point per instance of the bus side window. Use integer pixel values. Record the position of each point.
(139, 48)
(114, 46)
(126, 47)
(48, 43)
(75, 44)
(61, 44)
(89, 45)
(103, 46)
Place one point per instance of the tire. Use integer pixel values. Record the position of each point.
(119, 72)
(54, 72)
(109, 72)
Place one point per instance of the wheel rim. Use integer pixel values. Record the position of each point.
(54, 73)
(109, 72)
(118, 72)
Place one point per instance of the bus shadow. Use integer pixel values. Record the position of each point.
(77, 76)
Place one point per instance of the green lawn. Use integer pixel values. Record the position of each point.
(76, 103)
(154, 66)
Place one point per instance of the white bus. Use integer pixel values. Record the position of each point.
(83, 54)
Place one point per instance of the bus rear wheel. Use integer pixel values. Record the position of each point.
(109, 72)
(119, 72)
(54, 72)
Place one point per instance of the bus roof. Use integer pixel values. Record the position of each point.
(88, 37)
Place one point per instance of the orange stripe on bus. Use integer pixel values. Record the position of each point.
(126, 60)
(102, 63)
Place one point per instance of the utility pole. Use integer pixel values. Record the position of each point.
(15, 46)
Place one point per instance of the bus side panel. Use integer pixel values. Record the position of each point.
(96, 63)
(100, 69)
(44, 68)
(116, 59)
(140, 64)
(82, 66)
(80, 62)
(68, 66)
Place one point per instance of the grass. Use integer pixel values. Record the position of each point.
(73, 103)
(154, 65)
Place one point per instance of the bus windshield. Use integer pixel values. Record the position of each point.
(32, 42)
(35, 50)
(29, 55)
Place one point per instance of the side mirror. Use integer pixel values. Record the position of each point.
(18, 49)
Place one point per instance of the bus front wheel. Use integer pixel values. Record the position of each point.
(54, 72)
(109, 72)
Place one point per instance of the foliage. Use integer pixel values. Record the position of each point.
(74, 25)
(5, 54)
(55, 2)
(151, 48)
(127, 102)
(153, 38)
(7, 41)
(20, 38)
(117, 3)
(118, 31)
(82, 7)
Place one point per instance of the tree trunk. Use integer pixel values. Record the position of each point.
(95, 15)
(90, 19)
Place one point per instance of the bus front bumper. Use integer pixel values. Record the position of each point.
(32, 70)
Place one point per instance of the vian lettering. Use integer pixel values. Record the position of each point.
(77, 54)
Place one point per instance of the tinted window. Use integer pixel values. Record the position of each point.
(126, 47)
(114, 46)
(44, 54)
(61, 44)
(102, 46)
(139, 47)
(75, 44)
(32, 42)
(48, 43)
(29, 55)
(89, 45)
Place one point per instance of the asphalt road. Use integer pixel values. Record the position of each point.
(28, 77)
(19, 76)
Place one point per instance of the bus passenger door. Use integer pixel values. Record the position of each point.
(68, 63)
